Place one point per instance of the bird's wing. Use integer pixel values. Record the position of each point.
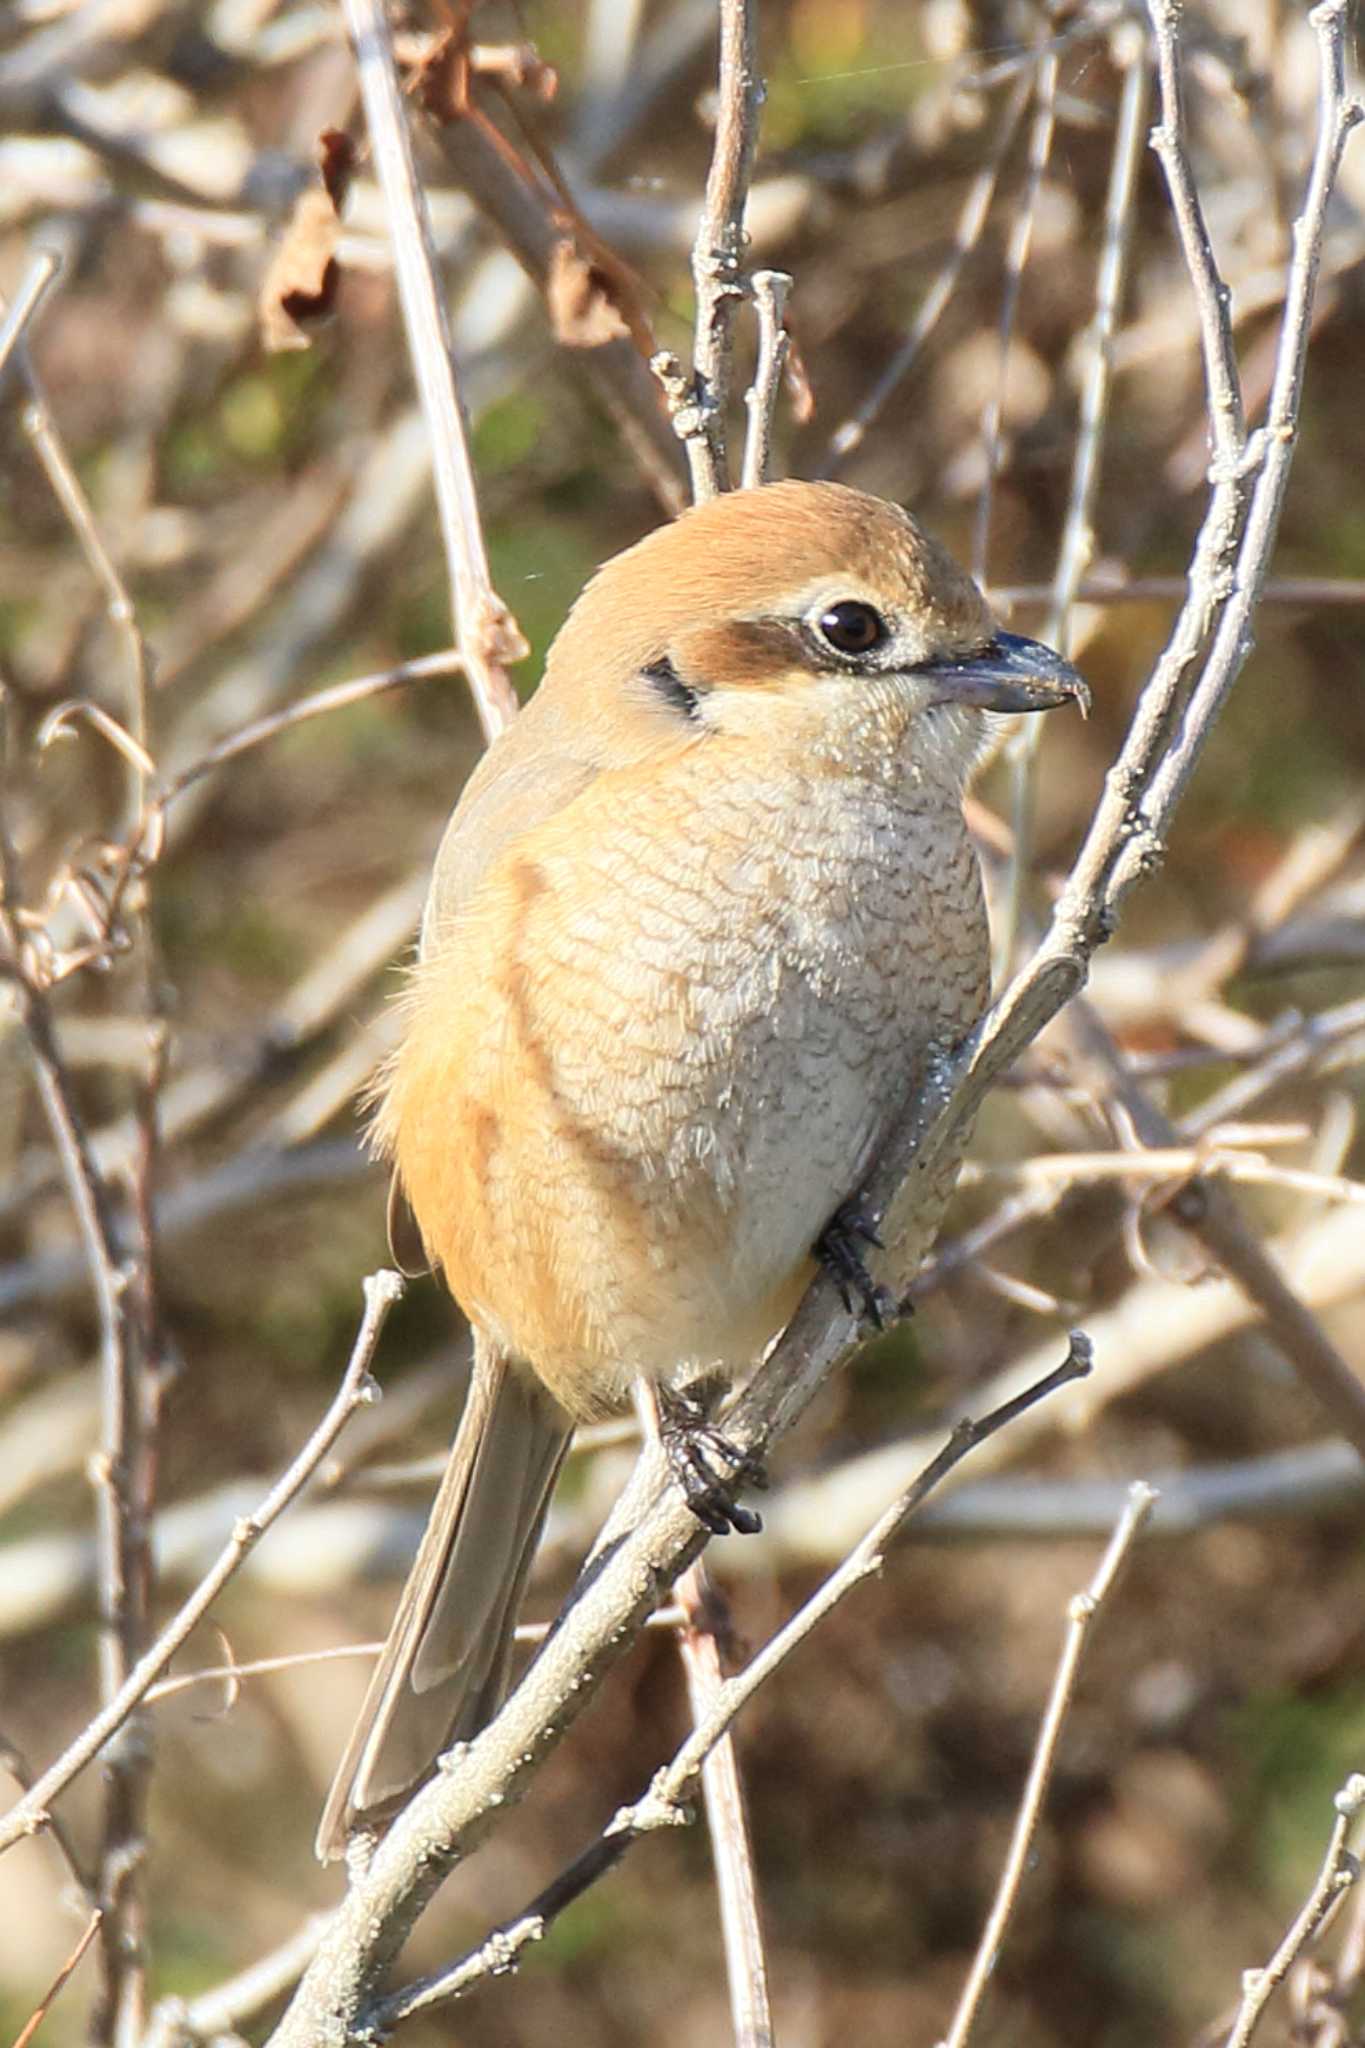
(534, 769)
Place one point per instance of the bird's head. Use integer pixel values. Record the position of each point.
(800, 607)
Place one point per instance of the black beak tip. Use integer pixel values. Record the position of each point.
(1010, 674)
(1056, 681)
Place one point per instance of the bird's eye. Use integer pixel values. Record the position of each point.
(853, 627)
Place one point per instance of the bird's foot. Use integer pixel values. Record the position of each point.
(839, 1251)
(708, 1466)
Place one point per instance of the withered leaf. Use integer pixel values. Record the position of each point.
(300, 284)
(581, 295)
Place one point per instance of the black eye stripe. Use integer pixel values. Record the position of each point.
(671, 687)
(852, 627)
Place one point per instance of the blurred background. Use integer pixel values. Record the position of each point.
(269, 510)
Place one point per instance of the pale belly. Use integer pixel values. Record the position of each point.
(668, 1075)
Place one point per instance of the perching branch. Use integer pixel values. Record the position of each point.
(668, 1800)
(651, 1535)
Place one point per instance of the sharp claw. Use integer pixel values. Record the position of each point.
(692, 1444)
(838, 1250)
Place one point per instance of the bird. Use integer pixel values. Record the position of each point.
(701, 918)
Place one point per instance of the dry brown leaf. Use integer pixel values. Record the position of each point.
(300, 285)
(583, 308)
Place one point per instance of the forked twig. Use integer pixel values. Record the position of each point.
(1339, 1872)
(718, 253)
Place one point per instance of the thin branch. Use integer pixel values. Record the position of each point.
(59, 1982)
(1309, 592)
(230, 2005)
(33, 289)
(1212, 1216)
(1016, 261)
(41, 429)
(718, 253)
(487, 634)
(338, 697)
(525, 1632)
(1273, 445)
(1078, 535)
(535, 231)
(1232, 557)
(727, 1822)
(1340, 1870)
(16, 1764)
(848, 437)
(29, 1814)
(667, 1800)
(1212, 297)
(121, 1475)
(1081, 1614)
(673, 1787)
(769, 289)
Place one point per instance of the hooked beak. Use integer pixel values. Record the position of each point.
(1009, 674)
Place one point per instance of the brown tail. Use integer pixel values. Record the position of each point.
(442, 1673)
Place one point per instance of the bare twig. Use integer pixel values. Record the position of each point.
(41, 430)
(487, 634)
(1212, 1216)
(1081, 1613)
(769, 288)
(50, 1996)
(33, 289)
(338, 697)
(1016, 261)
(619, 374)
(1078, 538)
(667, 1800)
(718, 254)
(1340, 1870)
(1310, 592)
(727, 1822)
(29, 1814)
(1271, 449)
(17, 1765)
(850, 435)
(122, 1490)
(1171, 1162)
(723, 1794)
(1212, 297)
(177, 2022)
